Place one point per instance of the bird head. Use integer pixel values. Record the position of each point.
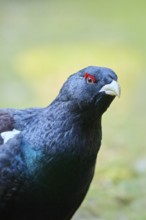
(91, 88)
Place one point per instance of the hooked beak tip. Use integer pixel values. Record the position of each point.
(112, 89)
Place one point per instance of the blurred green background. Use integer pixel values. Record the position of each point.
(43, 42)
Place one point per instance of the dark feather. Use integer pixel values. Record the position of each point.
(6, 121)
(46, 169)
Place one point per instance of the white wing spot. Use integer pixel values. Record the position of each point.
(7, 135)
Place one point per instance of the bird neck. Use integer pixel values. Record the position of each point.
(77, 129)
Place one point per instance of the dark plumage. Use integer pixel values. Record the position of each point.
(46, 168)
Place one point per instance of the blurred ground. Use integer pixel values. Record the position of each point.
(42, 42)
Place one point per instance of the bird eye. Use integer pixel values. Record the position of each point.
(90, 79)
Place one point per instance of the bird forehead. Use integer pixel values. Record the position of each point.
(102, 73)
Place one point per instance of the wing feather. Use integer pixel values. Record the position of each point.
(12, 169)
(6, 122)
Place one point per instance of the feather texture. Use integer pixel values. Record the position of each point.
(48, 155)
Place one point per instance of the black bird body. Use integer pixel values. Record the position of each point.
(46, 169)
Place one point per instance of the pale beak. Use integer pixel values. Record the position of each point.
(112, 89)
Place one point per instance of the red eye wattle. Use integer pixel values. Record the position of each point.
(90, 79)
